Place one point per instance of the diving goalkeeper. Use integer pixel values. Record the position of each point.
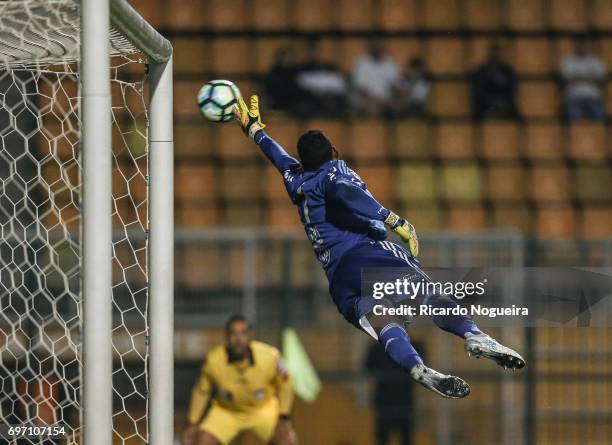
(347, 228)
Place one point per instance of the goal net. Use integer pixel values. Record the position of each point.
(40, 214)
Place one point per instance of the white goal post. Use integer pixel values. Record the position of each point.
(76, 158)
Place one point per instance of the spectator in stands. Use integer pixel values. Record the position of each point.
(280, 83)
(415, 87)
(493, 88)
(322, 87)
(376, 82)
(583, 74)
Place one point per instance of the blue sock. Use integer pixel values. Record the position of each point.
(394, 339)
(455, 324)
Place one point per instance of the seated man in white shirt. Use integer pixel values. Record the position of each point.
(376, 80)
(583, 75)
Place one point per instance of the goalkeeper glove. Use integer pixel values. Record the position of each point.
(405, 230)
(249, 118)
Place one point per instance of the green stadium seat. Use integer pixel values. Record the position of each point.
(397, 15)
(356, 14)
(282, 213)
(538, 99)
(499, 140)
(601, 17)
(483, 14)
(411, 139)
(526, 15)
(462, 182)
(194, 181)
(193, 139)
(532, 55)
(185, 98)
(191, 55)
(466, 218)
(227, 14)
(549, 183)
(270, 14)
(198, 214)
(416, 182)
(450, 99)
(506, 182)
(230, 56)
(313, 15)
(568, 15)
(555, 222)
(379, 180)
(266, 49)
(402, 49)
(424, 217)
(512, 216)
(593, 183)
(239, 182)
(186, 14)
(242, 214)
(440, 14)
(445, 55)
(454, 141)
(587, 141)
(368, 139)
(230, 143)
(274, 187)
(543, 141)
(596, 222)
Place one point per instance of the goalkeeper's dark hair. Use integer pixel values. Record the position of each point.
(236, 318)
(314, 150)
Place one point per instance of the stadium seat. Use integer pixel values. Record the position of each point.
(445, 55)
(335, 131)
(568, 15)
(227, 14)
(269, 15)
(416, 182)
(265, 50)
(313, 15)
(601, 17)
(200, 214)
(471, 218)
(191, 55)
(450, 99)
(543, 141)
(454, 141)
(194, 181)
(593, 183)
(274, 187)
(186, 14)
(505, 182)
(532, 55)
(549, 183)
(231, 143)
(483, 14)
(440, 14)
(151, 11)
(397, 15)
(349, 51)
(239, 182)
(499, 140)
(185, 94)
(282, 213)
(512, 216)
(538, 99)
(368, 139)
(605, 50)
(402, 49)
(284, 131)
(193, 139)
(355, 14)
(525, 15)
(587, 141)
(242, 214)
(477, 52)
(596, 222)
(379, 180)
(230, 56)
(555, 222)
(462, 182)
(189, 270)
(411, 139)
(424, 217)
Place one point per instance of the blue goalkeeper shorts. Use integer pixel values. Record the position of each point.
(345, 284)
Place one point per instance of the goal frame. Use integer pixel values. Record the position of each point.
(97, 16)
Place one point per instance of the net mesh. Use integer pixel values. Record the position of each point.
(40, 300)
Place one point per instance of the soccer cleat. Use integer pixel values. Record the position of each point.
(484, 346)
(444, 385)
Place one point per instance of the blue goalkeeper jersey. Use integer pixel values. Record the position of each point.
(336, 208)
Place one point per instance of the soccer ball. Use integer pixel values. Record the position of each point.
(216, 100)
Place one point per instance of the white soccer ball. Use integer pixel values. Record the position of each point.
(216, 100)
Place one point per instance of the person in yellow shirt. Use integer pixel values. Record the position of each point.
(244, 386)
